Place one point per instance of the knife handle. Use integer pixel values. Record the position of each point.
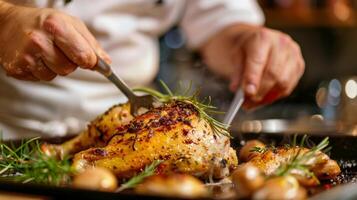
(102, 67)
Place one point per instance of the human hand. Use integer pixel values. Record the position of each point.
(266, 63)
(39, 44)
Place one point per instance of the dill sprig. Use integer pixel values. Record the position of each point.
(204, 108)
(27, 163)
(300, 160)
(134, 181)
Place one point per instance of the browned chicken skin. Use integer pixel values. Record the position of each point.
(269, 161)
(174, 133)
(185, 142)
(97, 134)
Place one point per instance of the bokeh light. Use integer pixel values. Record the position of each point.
(351, 89)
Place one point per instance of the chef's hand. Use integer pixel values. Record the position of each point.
(266, 63)
(39, 44)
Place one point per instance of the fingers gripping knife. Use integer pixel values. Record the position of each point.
(136, 102)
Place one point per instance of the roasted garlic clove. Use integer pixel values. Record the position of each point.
(247, 153)
(96, 179)
(282, 187)
(246, 179)
(173, 185)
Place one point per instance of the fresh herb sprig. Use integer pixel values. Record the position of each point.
(204, 108)
(134, 181)
(27, 163)
(259, 149)
(300, 160)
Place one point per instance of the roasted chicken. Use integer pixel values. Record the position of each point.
(271, 159)
(185, 142)
(97, 133)
(173, 132)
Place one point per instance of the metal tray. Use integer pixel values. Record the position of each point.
(343, 150)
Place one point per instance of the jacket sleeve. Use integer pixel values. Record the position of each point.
(204, 18)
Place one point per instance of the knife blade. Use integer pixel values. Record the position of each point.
(234, 107)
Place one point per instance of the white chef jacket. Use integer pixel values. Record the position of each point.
(128, 31)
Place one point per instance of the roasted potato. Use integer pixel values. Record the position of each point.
(173, 185)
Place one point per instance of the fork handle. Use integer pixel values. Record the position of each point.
(103, 68)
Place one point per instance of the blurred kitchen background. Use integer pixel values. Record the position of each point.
(325, 99)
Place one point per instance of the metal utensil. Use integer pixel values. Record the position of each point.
(234, 107)
(232, 111)
(345, 192)
(136, 102)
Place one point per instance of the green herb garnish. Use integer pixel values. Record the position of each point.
(259, 149)
(204, 107)
(270, 147)
(27, 163)
(299, 161)
(134, 181)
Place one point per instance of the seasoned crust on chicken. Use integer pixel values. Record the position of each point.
(271, 159)
(174, 133)
(97, 134)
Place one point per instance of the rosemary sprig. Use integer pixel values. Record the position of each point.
(27, 163)
(299, 161)
(134, 181)
(262, 150)
(204, 108)
(259, 149)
